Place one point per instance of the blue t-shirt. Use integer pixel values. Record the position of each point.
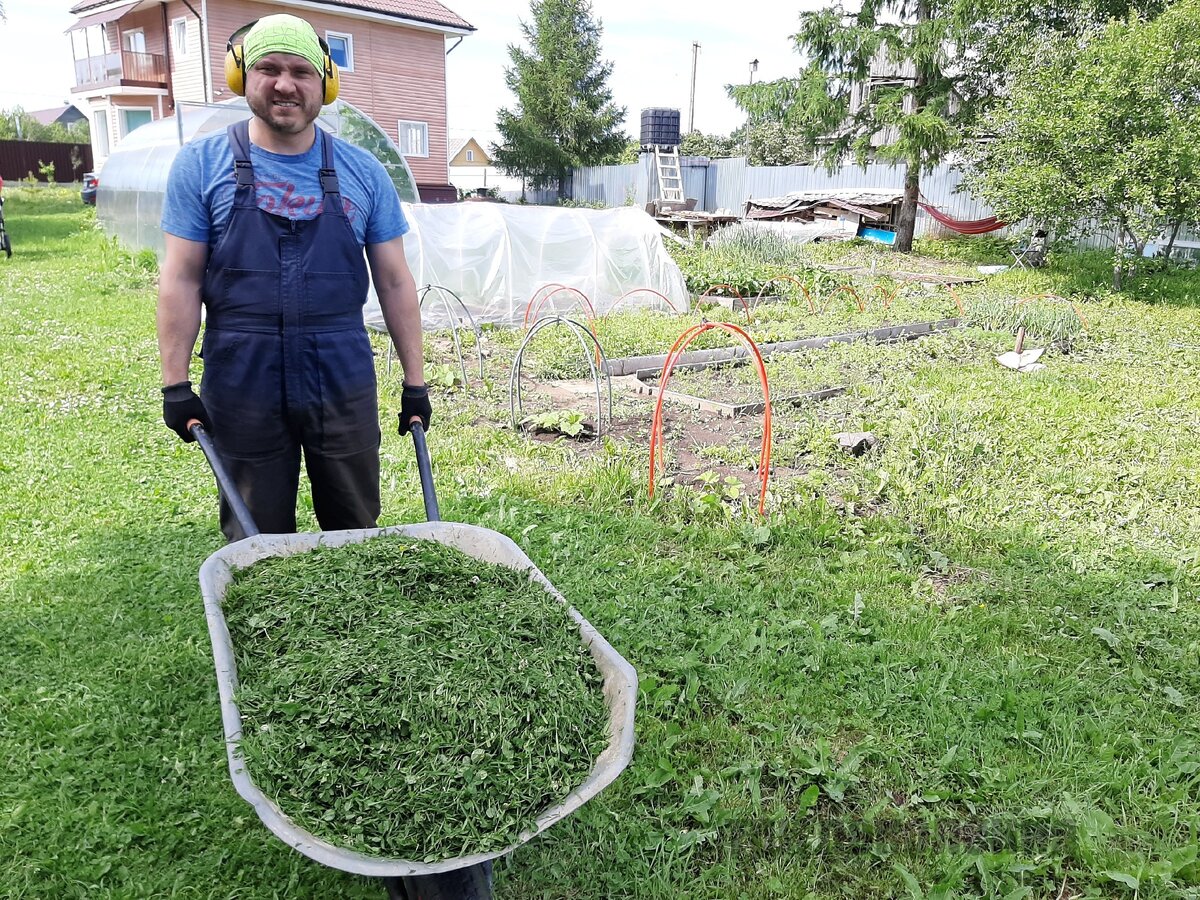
(201, 184)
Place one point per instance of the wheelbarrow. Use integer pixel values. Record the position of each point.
(459, 878)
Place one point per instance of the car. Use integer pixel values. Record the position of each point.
(90, 183)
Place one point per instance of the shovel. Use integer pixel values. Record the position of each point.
(1019, 359)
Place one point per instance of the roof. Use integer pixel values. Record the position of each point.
(420, 10)
(455, 146)
(64, 114)
(428, 11)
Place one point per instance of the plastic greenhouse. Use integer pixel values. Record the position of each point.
(494, 256)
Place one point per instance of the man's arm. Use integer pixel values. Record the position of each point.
(179, 284)
(398, 300)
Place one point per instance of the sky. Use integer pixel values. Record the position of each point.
(649, 45)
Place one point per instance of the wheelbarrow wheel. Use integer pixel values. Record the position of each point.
(474, 883)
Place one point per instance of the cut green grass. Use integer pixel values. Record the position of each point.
(402, 699)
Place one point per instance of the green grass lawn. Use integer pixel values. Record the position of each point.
(966, 664)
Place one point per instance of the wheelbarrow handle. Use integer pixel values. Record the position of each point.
(425, 469)
(241, 512)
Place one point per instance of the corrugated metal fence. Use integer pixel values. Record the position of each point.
(20, 159)
(729, 183)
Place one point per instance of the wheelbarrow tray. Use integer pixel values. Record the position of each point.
(620, 686)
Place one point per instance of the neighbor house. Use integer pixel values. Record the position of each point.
(136, 60)
(59, 115)
(473, 171)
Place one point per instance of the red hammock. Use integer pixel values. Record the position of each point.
(964, 226)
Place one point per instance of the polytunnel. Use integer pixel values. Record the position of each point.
(494, 256)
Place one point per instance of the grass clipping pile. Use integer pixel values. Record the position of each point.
(402, 699)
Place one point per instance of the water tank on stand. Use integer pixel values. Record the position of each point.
(660, 127)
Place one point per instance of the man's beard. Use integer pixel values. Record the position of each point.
(282, 122)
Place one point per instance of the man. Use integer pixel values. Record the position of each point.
(265, 225)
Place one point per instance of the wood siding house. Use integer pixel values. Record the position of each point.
(135, 61)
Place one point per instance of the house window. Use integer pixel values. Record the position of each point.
(179, 41)
(414, 138)
(341, 49)
(134, 41)
(470, 156)
(130, 119)
(101, 132)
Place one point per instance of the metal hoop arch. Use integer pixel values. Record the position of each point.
(656, 424)
(643, 290)
(442, 291)
(535, 302)
(812, 307)
(580, 331)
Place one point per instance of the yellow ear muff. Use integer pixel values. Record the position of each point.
(235, 61)
(330, 79)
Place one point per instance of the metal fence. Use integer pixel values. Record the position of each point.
(726, 184)
(22, 159)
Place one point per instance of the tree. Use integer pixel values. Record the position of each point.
(714, 146)
(17, 124)
(946, 62)
(773, 144)
(564, 115)
(1108, 131)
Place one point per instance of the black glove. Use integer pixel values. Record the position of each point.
(414, 401)
(180, 406)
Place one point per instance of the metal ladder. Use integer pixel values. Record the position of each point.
(670, 176)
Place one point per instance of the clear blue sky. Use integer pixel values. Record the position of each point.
(650, 48)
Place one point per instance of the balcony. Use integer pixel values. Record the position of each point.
(124, 69)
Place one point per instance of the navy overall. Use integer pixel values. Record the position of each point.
(287, 362)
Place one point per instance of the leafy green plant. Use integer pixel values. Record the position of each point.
(444, 376)
(563, 421)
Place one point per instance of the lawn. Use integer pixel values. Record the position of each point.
(964, 664)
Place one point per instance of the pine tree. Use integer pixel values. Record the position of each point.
(564, 115)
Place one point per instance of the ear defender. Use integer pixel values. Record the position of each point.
(235, 61)
(235, 67)
(330, 79)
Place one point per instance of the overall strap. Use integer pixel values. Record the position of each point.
(329, 179)
(239, 143)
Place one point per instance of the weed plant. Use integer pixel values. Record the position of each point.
(1050, 319)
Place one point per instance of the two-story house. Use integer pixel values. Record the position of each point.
(136, 59)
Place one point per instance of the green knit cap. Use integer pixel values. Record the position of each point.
(282, 34)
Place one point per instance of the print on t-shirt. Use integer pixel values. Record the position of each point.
(280, 199)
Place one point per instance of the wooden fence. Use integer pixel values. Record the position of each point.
(20, 159)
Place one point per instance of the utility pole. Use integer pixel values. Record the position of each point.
(692, 102)
(753, 69)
